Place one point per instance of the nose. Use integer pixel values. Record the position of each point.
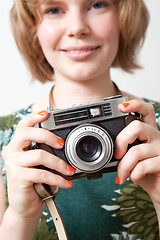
(78, 25)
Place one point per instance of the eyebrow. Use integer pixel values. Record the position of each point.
(47, 1)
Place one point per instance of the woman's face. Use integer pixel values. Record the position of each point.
(79, 38)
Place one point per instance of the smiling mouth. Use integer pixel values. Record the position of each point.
(80, 50)
(80, 53)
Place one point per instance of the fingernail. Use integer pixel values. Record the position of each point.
(69, 182)
(60, 141)
(126, 104)
(117, 180)
(71, 169)
(42, 113)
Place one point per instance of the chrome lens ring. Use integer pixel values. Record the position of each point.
(93, 131)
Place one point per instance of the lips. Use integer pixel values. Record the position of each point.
(80, 53)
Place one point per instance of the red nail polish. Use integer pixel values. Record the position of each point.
(69, 183)
(126, 104)
(117, 180)
(60, 141)
(42, 113)
(71, 169)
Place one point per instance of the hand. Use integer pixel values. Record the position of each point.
(141, 162)
(20, 165)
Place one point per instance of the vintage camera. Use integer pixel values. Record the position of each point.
(89, 132)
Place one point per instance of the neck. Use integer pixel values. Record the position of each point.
(75, 93)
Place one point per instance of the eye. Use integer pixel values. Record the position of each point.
(54, 11)
(99, 5)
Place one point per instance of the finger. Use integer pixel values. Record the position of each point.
(32, 175)
(135, 130)
(26, 135)
(145, 109)
(144, 168)
(37, 157)
(33, 118)
(134, 156)
(24, 178)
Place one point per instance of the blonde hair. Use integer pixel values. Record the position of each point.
(24, 17)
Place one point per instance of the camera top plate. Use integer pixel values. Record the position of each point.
(89, 113)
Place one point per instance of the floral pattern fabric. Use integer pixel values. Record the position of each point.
(94, 210)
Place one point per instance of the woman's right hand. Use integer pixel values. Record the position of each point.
(20, 162)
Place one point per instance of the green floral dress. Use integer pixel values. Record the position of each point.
(98, 209)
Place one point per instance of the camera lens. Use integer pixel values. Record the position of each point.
(89, 148)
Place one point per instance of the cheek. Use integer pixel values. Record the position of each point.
(108, 29)
(47, 35)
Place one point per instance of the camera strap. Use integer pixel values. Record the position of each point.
(49, 198)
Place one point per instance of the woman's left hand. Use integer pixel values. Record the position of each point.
(141, 162)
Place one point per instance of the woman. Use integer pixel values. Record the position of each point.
(76, 43)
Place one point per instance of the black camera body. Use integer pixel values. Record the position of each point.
(89, 132)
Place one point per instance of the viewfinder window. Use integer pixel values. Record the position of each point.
(95, 112)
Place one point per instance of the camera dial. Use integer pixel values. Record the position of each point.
(89, 148)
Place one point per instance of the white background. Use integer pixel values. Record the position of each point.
(16, 89)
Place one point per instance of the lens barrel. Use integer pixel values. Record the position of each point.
(89, 148)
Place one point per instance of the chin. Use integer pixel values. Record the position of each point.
(85, 74)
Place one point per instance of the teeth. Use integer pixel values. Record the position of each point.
(77, 51)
